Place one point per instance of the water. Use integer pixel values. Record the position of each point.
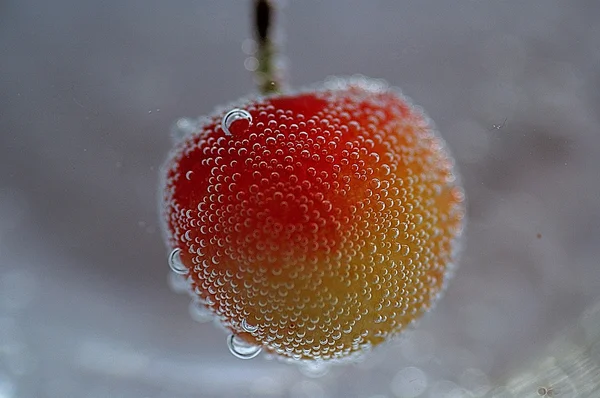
(512, 86)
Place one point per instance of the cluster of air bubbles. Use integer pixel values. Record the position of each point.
(242, 349)
(233, 117)
(316, 233)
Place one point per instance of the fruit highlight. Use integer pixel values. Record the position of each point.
(315, 224)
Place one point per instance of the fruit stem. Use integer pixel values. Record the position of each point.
(266, 71)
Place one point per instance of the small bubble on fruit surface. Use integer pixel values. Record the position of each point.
(247, 327)
(175, 262)
(236, 121)
(242, 349)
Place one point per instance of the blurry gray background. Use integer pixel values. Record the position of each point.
(89, 90)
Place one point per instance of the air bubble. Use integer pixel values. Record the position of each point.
(405, 250)
(175, 262)
(233, 117)
(241, 349)
(188, 175)
(199, 312)
(545, 392)
(247, 327)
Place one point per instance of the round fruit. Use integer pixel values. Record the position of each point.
(317, 223)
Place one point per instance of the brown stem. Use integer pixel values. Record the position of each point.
(266, 72)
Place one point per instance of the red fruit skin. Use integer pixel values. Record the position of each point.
(329, 222)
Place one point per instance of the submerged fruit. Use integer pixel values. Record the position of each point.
(315, 224)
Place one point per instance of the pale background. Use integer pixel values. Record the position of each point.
(89, 90)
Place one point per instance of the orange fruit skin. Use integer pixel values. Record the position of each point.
(329, 223)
